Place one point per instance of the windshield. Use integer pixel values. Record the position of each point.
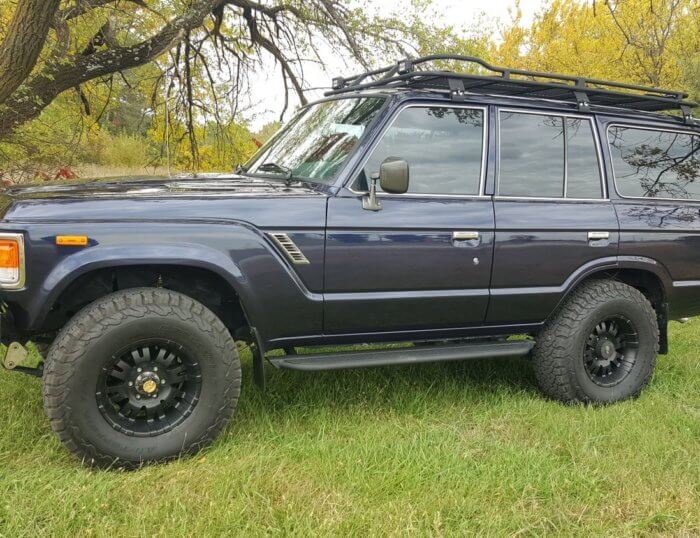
(316, 143)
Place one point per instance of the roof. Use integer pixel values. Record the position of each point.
(411, 73)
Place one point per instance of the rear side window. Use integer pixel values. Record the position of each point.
(443, 146)
(547, 156)
(655, 164)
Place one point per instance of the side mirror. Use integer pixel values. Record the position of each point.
(393, 177)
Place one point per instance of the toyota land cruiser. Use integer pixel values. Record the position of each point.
(450, 210)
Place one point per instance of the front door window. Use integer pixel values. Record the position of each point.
(444, 148)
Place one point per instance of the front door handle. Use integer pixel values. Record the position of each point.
(598, 236)
(465, 236)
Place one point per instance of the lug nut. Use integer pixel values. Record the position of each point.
(138, 396)
(138, 370)
(131, 383)
(155, 368)
(162, 381)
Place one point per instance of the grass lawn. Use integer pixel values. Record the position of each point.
(449, 449)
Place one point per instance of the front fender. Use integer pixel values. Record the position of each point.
(266, 284)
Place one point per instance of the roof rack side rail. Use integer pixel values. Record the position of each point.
(584, 92)
(408, 65)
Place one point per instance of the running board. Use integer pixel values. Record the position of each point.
(409, 355)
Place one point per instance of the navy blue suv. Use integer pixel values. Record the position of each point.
(446, 210)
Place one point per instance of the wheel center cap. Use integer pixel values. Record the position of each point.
(149, 386)
(147, 383)
(607, 350)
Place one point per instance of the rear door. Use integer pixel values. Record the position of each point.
(554, 221)
(423, 262)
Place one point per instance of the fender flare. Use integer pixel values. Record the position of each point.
(185, 255)
(613, 263)
(640, 263)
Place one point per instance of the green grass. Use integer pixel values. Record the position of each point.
(452, 449)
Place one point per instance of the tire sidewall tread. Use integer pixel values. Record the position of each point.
(73, 363)
(558, 352)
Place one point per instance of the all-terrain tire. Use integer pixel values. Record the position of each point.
(558, 356)
(84, 348)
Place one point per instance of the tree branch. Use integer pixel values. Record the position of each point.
(258, 39)
(56, 77)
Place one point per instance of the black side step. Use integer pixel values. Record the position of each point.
(409, 355)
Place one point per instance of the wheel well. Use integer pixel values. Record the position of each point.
(652, 288)
(201, 285)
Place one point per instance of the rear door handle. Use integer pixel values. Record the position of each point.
(465, 236)
(598, 236)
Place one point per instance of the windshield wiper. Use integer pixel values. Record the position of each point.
(275, 168)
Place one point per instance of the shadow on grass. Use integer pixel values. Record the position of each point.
(387, 388)
(298, 396)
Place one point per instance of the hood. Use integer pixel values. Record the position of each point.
(161, 187)
(258, 201)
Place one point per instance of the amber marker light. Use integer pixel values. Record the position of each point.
(72, 240)
(11, 261)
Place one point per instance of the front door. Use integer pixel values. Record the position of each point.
(554, 221)
(423, 262)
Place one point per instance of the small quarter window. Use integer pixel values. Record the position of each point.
(443, 147)
(583, 170)
(655, 164)
(548, 156)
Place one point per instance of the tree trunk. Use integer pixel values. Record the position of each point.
(26, 36)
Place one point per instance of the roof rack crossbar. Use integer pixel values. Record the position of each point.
(406, 73)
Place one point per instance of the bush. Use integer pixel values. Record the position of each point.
(125, 150)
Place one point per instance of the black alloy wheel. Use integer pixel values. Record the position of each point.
(149, 388)
(611, 351)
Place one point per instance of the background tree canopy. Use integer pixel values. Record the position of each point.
(128, 84)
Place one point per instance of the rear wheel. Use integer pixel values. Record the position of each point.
(600, 347)
(139, 376)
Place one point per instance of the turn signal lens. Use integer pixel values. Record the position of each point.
(9, 254)
(10, 262)
(72, 240)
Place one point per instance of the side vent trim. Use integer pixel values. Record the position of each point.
(283, 241)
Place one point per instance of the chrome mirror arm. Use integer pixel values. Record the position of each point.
(370, 202)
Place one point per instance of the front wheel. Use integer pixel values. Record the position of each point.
(139, 376)
(600, 347)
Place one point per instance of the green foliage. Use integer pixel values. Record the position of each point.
(634, 41)
(692, 76)
(267, 131)
(123, 150)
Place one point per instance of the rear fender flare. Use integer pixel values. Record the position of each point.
(609, 265)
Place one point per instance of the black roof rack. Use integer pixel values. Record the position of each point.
(585, 92)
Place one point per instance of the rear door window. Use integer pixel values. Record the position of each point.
(532, 155)
(548, 156)
(655, 164)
